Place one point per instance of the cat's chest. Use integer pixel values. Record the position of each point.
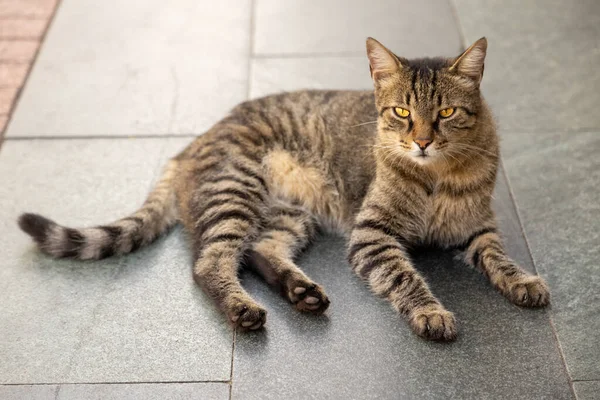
(451, 219)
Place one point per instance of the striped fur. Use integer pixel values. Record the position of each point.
(256, 187)
(484, 251)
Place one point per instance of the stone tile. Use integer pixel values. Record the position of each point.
(7, 97)
(12, 75)
(555, 179)
(271, 75)
(411, 29)
(29, 392)
(22, 28)
(362, 349)
(134, 318)
(126, 68)
(152, 391)
(18, 51)
(155, 325)
(541, 70)
(26, 8)
(587, 390)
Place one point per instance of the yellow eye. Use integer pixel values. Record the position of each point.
(401, 112)
(446, 112)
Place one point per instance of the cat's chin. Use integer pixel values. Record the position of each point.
(423, 159)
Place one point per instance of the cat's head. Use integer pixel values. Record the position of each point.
(430, 109)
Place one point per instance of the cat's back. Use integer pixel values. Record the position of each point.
(337, 111)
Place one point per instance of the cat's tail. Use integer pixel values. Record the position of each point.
(157, 215)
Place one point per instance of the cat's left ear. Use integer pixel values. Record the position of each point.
(470, 63)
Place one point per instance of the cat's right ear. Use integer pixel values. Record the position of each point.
(382, 62)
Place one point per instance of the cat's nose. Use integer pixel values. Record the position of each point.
(423, 143)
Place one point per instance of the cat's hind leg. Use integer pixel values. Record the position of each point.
(222, 200)
(288, 231)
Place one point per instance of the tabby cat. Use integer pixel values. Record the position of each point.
(258, 185)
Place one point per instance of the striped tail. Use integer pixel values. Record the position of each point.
(157, 215)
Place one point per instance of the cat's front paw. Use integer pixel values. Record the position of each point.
(308, 296)
(247, 315)
(436, 324)
(528, 291)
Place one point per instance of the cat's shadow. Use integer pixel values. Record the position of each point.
(461, 289)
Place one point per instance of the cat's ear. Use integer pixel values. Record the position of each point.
(470, 63)
(381, 61)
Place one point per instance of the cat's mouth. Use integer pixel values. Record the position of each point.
(421, 153)
(422, 156)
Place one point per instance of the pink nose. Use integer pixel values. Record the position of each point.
(423, 143)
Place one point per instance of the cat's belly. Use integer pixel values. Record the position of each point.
(307, 185)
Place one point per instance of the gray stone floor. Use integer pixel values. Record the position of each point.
(120, 86)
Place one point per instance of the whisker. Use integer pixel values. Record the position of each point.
(454, 158)
(363, 123)
(464, 146)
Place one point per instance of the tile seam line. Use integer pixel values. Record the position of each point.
(114, 383)
(50, 21)
(530, 254)
(231, 369)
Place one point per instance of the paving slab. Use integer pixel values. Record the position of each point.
(29, 392)
(146, 391)
(144, 67)
(540, 73)
(555, 178)
(411, 29)
(587, 390)
(272, 75)
(130, 319)
(361, 349)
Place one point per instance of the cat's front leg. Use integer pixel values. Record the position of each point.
(484, 251)
(377, 256)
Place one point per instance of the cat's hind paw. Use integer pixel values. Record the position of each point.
(247, 316)
(308, 297)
